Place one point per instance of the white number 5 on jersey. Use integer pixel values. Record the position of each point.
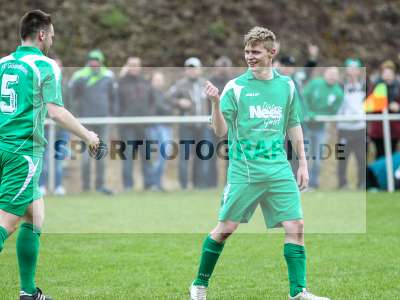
(7, 92)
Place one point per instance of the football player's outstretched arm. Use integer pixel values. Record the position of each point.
(66, 120)
(218, 121)
(296, 137)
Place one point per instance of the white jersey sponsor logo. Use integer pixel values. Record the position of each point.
(272, 114)
(252, 94)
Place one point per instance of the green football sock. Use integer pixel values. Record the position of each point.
(295, 256)
(28, 252)
(3, 237)
(209, 256)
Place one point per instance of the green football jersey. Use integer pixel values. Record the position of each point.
(258, 114)
(28, 80)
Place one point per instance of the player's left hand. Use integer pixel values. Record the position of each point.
(212, 92)
(302, 177)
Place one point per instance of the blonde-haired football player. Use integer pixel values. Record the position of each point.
(256, 110)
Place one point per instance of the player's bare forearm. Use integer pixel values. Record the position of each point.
(297, 139)
(66, 120)
(218, 120)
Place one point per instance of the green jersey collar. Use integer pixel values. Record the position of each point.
(250, 76)
(33, 50)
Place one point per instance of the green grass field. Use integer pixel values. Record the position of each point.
(147, 245)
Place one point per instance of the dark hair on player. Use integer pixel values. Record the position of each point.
(32, 22)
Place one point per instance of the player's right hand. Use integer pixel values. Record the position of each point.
(212, 92)
(92, 139)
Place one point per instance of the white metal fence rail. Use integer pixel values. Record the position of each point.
(385, 117)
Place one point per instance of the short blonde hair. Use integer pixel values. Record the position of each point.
(262, 35)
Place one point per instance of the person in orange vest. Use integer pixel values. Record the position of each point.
(375, 131)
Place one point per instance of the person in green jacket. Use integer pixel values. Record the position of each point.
(322, 96)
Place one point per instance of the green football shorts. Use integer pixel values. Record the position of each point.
(279, 201)
(19, 182)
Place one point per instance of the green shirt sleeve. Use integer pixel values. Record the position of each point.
(294, 107)
(52, 84)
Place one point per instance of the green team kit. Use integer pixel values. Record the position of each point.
(28, 80)
(258, 114)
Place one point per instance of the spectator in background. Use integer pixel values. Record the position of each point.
(311, 63)
(300, 75)
(221, 75)
(135, 99)
(94, 88)
(375, 131)
(61, 135)
(377, 176)
(352, 134)
(188, 97)
(159, 132)
(286, 66)
(322, 96)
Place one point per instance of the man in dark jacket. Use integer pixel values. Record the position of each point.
(95, 90)
(188, 97)
(161, 133)
(135, 99)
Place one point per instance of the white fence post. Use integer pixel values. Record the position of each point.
(51, 172)
(385, 117)
(388, 150)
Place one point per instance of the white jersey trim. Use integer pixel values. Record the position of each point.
(237, 89)
(31, 171)
(32, 58)
(232, 85)
(292, 88)
(7, 58)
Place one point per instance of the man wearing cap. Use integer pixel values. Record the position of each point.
(188, 97)
(94, 89)
(351, 135)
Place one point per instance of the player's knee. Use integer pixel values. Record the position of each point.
(299, 225)
(294, 226)
(227, 231)
(4, 235)
(225, 235)
(220, 237)
(37, 219)
(10, 228)
(223, 231)
(294, 231)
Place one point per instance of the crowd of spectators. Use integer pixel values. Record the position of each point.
(97, 91)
